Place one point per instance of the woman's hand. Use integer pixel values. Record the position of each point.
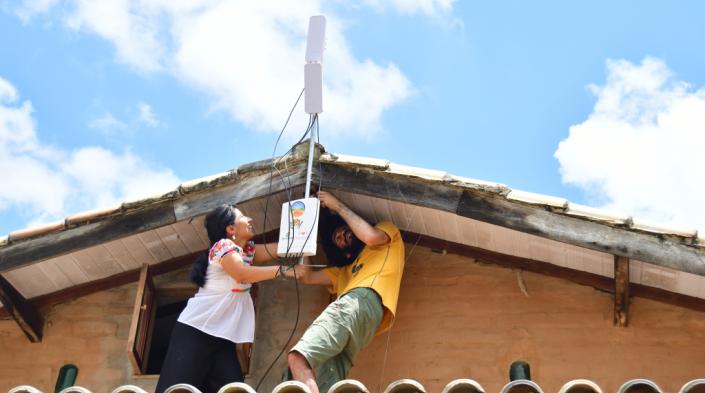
(297, 271)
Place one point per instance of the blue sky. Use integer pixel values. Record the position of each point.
(599, 102)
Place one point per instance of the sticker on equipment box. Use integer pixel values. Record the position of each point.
(299, 228)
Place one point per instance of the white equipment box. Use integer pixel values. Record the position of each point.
(298, 230)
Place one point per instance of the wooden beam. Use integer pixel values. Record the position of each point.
(621, 291)
(493, 208)
(160, 214)
(538, 221)
(192, 205)
(22, 312)
(596, 281)
(106, 283)
(394, 187)
(30, 251)
(123, 278)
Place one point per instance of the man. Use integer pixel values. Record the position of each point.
(366, 265)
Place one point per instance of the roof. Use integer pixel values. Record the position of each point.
(452, 210)
(408, 386)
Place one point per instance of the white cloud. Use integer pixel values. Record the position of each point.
(147, 115)
(428, 7)
(248, 55)
(107, 123)
(8, 93)
(641, 149)
(28, 8)
(47, 183)
(129, 25)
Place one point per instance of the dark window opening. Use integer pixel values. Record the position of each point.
(164, 321)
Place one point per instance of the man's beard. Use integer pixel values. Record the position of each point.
(340, 257)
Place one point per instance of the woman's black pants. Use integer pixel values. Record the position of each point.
(199, 359)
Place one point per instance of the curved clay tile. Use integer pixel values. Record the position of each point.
(405, 386)
(463, 385)
(694, 386)
(639, 386)
(24, 389)
(75, 389)
(182, 388)
(291, 387)
(521, 386)
(129, 389)
(580, 386)
(348, 386)
(237, 387)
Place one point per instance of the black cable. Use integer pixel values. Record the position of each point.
(288, 187)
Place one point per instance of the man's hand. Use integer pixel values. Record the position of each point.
(328, 200)
(306, 275)
(368, 234)
(297, 271)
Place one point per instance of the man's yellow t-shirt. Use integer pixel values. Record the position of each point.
(379, 268)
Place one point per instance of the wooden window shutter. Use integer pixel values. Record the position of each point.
(138, 342)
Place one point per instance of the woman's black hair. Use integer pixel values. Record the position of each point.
(327, 224)
(216, 222)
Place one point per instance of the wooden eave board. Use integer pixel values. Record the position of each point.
(451, 227)
(186, 236)
(116, 256)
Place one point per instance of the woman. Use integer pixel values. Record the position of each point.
(202, 345)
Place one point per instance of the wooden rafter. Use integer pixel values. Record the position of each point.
(26, 316)
(621, 291)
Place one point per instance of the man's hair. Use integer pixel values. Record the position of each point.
(327, 225)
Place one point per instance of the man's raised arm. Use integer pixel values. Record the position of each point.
(368, 234)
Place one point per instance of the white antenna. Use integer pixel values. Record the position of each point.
(299, 219)
(316, 39)
(313, 73)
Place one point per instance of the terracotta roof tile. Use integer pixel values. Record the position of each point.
(462, 385)
(596, 214)
(538, 199)
(428, 174)
(92, 215)
(36, 230)
(648, 226)
(375, 163)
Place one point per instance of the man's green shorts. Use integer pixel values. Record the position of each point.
(345, 327)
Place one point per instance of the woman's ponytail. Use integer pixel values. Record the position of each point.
(198, 271)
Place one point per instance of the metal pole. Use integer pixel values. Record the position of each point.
(310, 157)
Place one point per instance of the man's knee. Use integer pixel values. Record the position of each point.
(297, 360)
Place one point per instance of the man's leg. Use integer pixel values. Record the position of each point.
(333, 370)
(301, 371)
(334, 338)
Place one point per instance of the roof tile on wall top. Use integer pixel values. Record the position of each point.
(537, 199)
(150, 199)
(428, 174)
(207, 182)
(596, 214)
(480, 185)
(648, 226)
(374, 163)
(43, 229)
(92, 215)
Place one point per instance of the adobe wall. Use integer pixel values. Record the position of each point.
(456, 319)
(462, 319)
(90, 332)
